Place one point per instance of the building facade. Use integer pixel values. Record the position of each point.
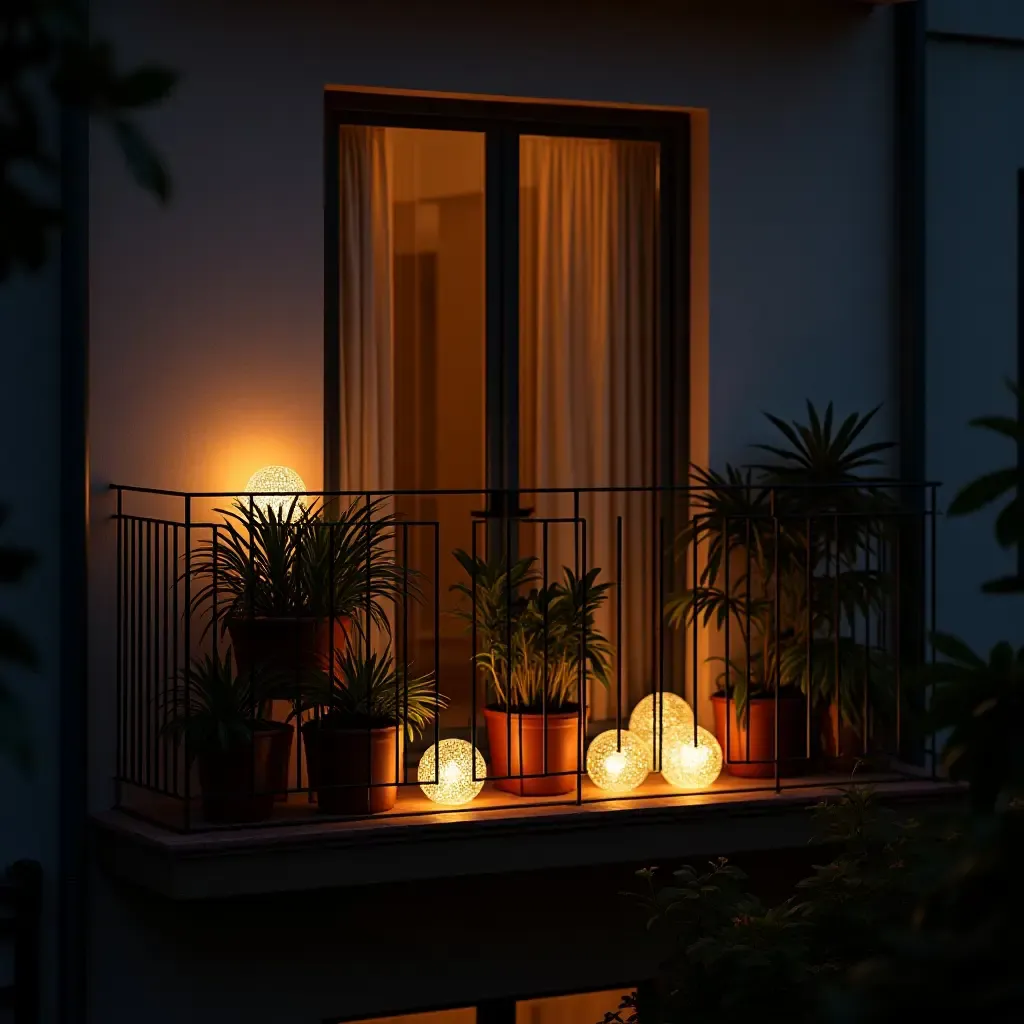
(844, 225)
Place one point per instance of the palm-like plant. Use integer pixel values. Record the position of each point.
(535, 644)
(213, 708)
(979, 704)
(294, 562)
(788, 549)
(995, 486)
(366, 689)
(15, 649)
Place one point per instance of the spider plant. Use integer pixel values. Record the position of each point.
(534, 643)
(791, 558)
(296, 563)
(367, 690)
(213, 708)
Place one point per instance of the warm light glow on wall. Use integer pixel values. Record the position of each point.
(276, 480)
(455, 783)
(689, 765)
(618, 762)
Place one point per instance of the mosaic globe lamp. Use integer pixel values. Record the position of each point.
(272, 480)
(667, 710)
(692, 765)
(453, 772)
(618, 761)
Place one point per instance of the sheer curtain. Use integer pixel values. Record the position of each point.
(367, 335)
(588, 291)
(367, 310)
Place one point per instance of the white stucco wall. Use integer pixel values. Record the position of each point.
(975, 149)
(207, 337)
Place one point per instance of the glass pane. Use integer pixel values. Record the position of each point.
(586, 1008)
(412, 350)
(463, 1016)
(588, 397)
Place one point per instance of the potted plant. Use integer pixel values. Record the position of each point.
(287, 585)
(220, 715)
(366, 707)
(790, 561)
(534, 644)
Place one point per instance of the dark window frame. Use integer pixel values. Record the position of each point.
(502, 123)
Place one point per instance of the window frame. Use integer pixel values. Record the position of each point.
(503, 122)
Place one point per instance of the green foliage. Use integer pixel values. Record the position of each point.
(910, 921)
(790, 557)
(533, 642)
(994, 487)
(367, 689)
(730, 957)
(211, 707)
(48, 42)
(16, 650)
(293, 562)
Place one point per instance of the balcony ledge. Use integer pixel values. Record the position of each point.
(295, 858)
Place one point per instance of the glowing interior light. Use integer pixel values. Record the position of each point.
(276, 480)
(618, 761)
(667, 710)
(689, 765)
(455, 784)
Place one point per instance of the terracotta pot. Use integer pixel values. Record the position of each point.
(792, 736)
(286, 644)
(238, 785)
(561, 736)
(353, 771)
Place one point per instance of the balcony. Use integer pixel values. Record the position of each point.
(330, 671)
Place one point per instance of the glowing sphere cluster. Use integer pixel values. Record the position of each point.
(271, 480)
(667, 710)
(689, 765)
(455, 784)
(618, 762)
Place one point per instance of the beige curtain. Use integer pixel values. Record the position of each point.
(366, 340)
(367, 314)
(588, 266)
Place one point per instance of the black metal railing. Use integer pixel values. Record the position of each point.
(361, 644)
(20, 922)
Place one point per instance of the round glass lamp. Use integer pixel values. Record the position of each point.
(689, 765)
(272, 480)
(618, 762)
(454, 773)
(668, 710)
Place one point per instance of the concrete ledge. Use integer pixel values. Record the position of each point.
(315, 856)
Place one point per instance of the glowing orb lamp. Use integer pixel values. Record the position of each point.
(674, 716)
(454, 772)
(618, 762)
(689, 765)
(272, 480)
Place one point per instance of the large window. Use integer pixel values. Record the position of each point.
(506, 318)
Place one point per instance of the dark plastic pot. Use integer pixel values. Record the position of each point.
(558, 731)
(353, 771)
(286, 645)
(238, 785)
(842, 746)
(738, 758)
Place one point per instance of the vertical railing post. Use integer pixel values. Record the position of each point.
(187, 668)
(120, 654)
(777, 632)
